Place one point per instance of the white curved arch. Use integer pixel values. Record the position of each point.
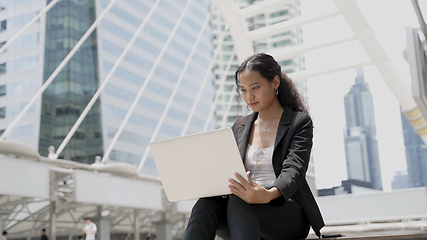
(238, 29)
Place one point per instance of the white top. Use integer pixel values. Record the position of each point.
(90, 228)
(3, 237)
(263, 169)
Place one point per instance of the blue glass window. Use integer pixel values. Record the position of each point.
(21, 131)
(147, 46)
(170, 130)
(189, 22)
(24, 63)
(120, 93)
(173, 60)
(116, 30)
(184, 99)
(124, 74)
(2, 90)
(166, 74)
(3, 25)
(282, 43)
(120, 114)
(112, 48)
(163, 21)
(143, 101)
(177, 114)
(25, 41)
(2, 68)
(20, 20)
(129, 137)
(125, 15)
(12, 3)
(181, 48)
(139, 5)
(155, 33)
(125, 157)
(159, 89)
(13, 110)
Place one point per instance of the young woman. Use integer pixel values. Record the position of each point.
(275, 143)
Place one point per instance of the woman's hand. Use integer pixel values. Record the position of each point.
(251, 192)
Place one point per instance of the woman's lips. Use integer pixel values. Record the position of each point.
(253, 104)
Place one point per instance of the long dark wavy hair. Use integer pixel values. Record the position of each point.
(269, 68)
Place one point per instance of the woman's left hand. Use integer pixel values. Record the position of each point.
(251, 192)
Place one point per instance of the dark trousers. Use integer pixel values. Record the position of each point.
(232, 218)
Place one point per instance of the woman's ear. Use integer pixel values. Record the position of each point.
(276, 81)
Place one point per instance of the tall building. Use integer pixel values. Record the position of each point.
(29, 61)
(416, 155)
(361, 146)
(229, 106)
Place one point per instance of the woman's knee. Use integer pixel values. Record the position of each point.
(209, 208)
(236, 201)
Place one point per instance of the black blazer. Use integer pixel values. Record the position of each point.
(291, 156)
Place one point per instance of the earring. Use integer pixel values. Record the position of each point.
(276, 91)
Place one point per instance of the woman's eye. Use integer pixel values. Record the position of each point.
(242, 90)
(255, 87)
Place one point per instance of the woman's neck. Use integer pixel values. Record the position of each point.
(272, 112)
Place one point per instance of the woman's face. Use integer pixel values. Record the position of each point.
(256, 91)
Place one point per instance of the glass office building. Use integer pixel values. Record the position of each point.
(37, 53)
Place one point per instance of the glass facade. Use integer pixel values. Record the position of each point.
(66, 97)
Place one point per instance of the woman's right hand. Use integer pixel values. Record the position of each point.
(251, 192)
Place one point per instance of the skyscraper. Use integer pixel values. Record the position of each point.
(416, 155)
(36, 54)
(361, 146)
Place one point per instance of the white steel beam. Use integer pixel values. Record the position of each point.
(288, 52)
(262, 7)
(355, 19)
(239, 31)
(285, 26)
(301, 75)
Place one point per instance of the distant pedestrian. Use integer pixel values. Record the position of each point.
(44, 237)
(90, 229)
(4, 236)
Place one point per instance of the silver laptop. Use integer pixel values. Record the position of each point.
(198, 165)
